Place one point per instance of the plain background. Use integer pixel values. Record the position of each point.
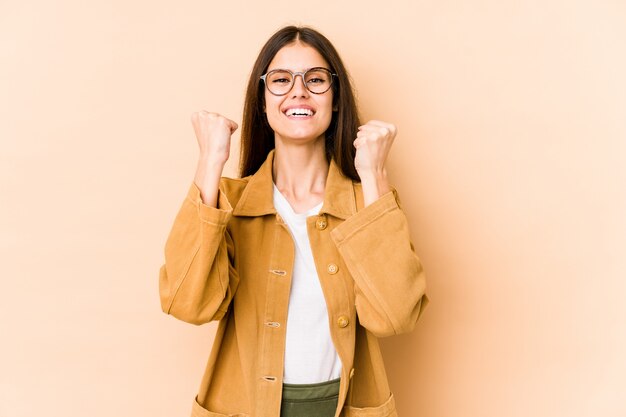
(509, 161)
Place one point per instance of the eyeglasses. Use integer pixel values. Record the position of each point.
(280, 81)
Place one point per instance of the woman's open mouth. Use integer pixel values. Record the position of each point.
(299, 112)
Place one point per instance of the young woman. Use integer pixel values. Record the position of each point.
(306, 260)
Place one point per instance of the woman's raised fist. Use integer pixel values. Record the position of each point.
(213, 132)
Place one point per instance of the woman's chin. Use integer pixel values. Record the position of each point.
(300, 138)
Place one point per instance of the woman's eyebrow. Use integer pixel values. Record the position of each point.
(289, 69)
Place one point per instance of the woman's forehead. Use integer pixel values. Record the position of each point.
(297, 57)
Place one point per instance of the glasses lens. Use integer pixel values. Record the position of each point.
(279, 82)
(318, 80)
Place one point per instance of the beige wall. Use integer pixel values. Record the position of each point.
(510, 163)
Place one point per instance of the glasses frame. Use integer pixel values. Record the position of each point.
(293, 79)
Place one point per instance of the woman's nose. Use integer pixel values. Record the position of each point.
(299, 88)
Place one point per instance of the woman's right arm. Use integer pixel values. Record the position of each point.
(197, 281)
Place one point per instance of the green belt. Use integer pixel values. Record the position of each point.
(310, 400)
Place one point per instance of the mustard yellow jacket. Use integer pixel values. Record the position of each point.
(234, 263)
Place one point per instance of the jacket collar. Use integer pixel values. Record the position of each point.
(257, 198)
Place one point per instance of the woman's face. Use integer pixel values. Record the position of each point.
(287, 127)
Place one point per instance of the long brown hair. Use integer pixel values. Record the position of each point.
(257, 137)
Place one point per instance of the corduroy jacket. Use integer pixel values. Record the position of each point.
(234, 263)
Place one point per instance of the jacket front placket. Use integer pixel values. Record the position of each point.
(273, 337)
(257, 201)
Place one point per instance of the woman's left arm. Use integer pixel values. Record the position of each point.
(375, 243)
(389, 281)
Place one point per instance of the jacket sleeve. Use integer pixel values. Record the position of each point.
(198, 280)
(389, 280)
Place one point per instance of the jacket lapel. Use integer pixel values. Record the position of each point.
(257, 197)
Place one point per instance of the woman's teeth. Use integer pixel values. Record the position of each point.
(299, 112)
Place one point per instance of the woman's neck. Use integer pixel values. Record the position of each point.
(300, 173)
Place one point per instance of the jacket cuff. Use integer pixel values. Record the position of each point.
(219, 215)
(365, 216)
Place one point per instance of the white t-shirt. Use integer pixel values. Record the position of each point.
(310, 354)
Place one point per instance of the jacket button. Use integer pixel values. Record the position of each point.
(343, 321)
(332, 269)
(321, 223)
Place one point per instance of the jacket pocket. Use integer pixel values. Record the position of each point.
(199, 411)
(388, 409)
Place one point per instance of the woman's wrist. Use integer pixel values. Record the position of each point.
(207, 179)
(374, 184)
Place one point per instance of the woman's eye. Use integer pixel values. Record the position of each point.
(317, 81)
(280, 80)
